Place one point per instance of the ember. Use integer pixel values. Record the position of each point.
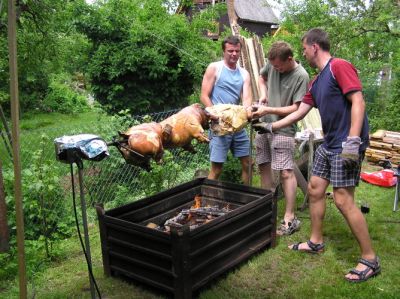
(193, 217)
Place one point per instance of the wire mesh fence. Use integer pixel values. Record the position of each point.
(47, 183)
(102, 179)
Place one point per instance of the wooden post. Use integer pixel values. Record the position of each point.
(4, 231)
(12, 49)
(310, 163)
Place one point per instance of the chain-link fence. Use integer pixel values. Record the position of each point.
(102, 179)
(47, 185)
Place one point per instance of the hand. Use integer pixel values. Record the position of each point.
(350, 153)
(263, 101)
(261, 110)
(262, 127)
(210, 115)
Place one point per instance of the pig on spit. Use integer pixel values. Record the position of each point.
(181, 128)
(141, 143)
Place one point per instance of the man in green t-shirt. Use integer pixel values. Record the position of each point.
(283, 83)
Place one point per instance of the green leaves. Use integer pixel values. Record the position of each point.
(366, 35)
(142, 56)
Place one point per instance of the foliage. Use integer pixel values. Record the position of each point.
(356, 29)
(47, 44)
(232, 170)
(162, 176)
(45, 213)
(63, 97)
(139, 64)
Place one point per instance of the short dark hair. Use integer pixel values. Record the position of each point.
(281, 50)
(233, 40)
(317, 36)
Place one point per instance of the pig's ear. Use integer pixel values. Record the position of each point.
(166, 133)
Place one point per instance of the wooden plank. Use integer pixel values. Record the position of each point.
(392, 134)
(391, 140)
(379, 134)
(380, 144)
(378, 151)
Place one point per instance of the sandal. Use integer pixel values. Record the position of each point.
(314, 247)
(292, 227)
(366, 273)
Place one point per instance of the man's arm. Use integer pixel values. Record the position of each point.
(246, 92)
(262, 83)
(357, 112)
(208, 85)
(293, 117)
(351, 147)
(281, 111)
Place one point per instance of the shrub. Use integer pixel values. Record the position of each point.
(61, 97)
(232, 170)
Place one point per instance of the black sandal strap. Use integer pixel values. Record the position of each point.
(372, 265)
(315, 246)
(296, 246)
(356, 272)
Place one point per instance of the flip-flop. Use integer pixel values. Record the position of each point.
(314, 247)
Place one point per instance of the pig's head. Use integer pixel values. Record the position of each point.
(201, 115)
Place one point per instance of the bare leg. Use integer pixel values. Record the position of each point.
(344, 200)
(265, 175)
(216, 170)
(289, 185)
(316, 190)
(245, 170)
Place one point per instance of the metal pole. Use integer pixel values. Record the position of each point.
(12, 49)
(85, 227)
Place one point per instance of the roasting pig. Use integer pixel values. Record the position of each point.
(141, 143)
(181, 128)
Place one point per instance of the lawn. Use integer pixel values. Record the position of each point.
(275, 273)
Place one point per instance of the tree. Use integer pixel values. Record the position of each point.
(47, 44)
(356, 31)
(143, 58)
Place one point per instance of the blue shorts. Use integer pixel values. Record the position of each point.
(329, 165)
(238, 143)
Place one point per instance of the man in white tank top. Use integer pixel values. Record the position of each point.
(224, 82)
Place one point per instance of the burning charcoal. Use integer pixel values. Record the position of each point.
(152, 225)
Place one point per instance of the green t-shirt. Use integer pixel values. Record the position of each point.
(284, 89)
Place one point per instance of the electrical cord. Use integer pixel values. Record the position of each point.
(79, 234)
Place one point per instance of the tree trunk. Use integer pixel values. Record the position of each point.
(4, 232)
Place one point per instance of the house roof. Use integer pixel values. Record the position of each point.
(255, 11)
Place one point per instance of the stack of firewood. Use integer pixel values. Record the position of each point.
(384, 145)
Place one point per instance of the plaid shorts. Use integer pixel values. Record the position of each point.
(275, 149)
(329, 165)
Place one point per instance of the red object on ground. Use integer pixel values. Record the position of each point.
(384, 178)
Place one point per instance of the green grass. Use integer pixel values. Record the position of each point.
(275, 273)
